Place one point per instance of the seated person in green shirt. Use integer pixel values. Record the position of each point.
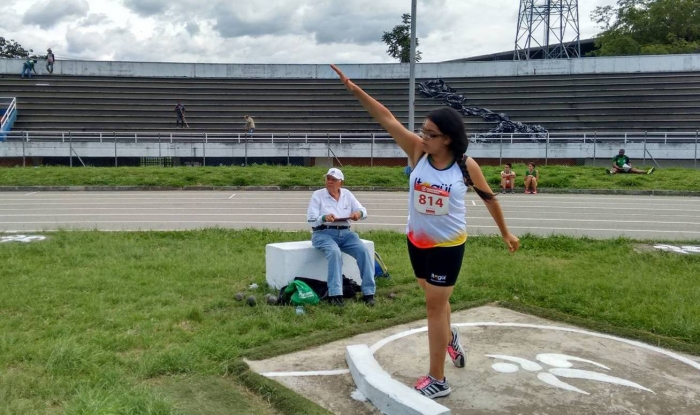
(532, 175)
(621, 164)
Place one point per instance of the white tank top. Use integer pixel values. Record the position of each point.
(436, 210)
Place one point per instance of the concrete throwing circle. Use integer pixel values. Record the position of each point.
(533, 368)
(552, 370)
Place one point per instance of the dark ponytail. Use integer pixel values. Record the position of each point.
(462, 163)
(451, 124)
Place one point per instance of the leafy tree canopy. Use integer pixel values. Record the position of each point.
(399, 41)
(12, 49)
(648, 27)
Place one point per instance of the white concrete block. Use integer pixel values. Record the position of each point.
(286, 260)
(386, 393)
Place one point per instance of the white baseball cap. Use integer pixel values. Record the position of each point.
(336, 173)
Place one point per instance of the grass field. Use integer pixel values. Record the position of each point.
(147, 323)
(551, 177)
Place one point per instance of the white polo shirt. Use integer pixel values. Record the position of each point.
(322, 203)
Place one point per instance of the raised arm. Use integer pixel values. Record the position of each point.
(409, 142)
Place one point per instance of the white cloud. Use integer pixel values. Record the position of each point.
(274, 31)
(48, 13)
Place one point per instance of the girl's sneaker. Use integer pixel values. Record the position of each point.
(431, 387)
(534, 192)
(527, 192)
(455, 349)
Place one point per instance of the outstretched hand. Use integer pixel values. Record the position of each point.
(344, 79)
(511, 241)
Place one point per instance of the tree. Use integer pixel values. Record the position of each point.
(648, 27)
(12, 49)
(399, 41)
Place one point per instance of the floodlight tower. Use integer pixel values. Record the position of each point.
(557, 20)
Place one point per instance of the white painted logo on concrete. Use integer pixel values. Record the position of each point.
(21, 238)
(561, 368)
(685, 249)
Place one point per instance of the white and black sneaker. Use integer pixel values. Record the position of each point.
(455, 349)
(432, 388)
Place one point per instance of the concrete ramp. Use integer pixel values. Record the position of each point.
(387, 394)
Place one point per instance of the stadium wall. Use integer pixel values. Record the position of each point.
(620, 64)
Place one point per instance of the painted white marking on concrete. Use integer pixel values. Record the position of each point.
(232, 196)
(309, 373)
(22, 238)
(600, 377)
(552, 380)
(685, 249)
(505, 367)
(378, 345)
(33, 193)
(562, 365)
(473, 203)
(564, 361)
(528, 365)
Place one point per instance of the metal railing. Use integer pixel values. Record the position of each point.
(682, 147)
(7, 116)
(583, 137)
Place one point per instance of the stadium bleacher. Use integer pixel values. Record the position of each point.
(560, 103)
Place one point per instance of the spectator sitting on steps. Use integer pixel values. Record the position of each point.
(621, 164)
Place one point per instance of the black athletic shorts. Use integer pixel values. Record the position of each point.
(437, 266)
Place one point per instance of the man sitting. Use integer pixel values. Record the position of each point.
(621, 164)
(330, 212)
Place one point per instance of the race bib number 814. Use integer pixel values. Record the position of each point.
(431, 201)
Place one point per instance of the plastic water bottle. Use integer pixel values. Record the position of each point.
(300, 310)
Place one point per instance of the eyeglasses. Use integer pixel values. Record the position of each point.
(428, 136)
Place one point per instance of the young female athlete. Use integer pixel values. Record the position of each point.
(436, 223)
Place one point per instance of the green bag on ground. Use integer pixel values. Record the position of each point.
(301, 293)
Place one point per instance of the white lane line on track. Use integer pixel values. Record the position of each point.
(618, 200)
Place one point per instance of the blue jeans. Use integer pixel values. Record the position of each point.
(332, 242)
(27, 71)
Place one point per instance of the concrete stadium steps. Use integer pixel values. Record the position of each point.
(609, 102)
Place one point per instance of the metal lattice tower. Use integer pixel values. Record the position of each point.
(551, 25)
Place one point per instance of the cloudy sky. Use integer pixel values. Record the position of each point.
(262, 31)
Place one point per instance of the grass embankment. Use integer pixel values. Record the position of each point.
(551, 177)
(147, 323)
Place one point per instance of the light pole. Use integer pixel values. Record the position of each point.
(412, 71)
